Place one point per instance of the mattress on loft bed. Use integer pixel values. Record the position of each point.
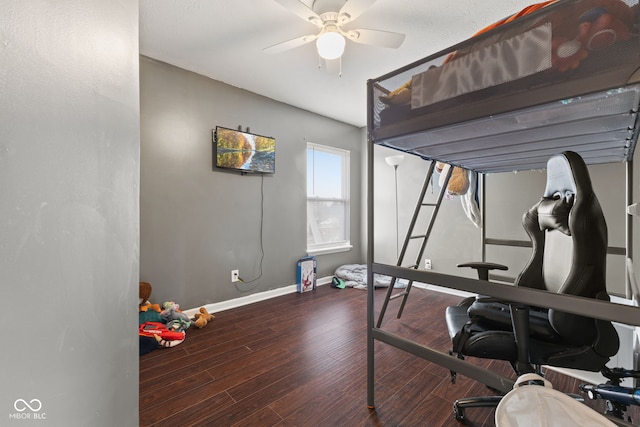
(563, 46)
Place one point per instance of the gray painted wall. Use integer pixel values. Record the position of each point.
(69, 177)
(453, 239)
(197, 224)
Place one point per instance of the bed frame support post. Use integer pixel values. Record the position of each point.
(370, 251)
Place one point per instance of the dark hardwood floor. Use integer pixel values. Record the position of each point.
(300, 360)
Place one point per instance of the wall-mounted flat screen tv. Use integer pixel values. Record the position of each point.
(243, 151)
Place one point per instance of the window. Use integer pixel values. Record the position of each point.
(327, 199)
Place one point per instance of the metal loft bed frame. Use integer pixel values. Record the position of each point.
(624, 314)
(594, 113)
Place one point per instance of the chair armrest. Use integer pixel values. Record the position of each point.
(483, 268)
(486, 299)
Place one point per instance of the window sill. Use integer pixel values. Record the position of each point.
(329, 250)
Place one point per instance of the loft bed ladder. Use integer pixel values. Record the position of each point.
(410, 236)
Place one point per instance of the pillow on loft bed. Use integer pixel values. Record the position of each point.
(560, 41)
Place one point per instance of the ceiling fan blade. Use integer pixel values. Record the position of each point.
(290, 44)
(301, 9)
(352, 9)
(376, 38)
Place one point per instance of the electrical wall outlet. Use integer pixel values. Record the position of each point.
(235, 274)
(427, 264)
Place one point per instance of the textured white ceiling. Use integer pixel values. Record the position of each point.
(224, 40)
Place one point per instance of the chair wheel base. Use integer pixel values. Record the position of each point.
(460, 405)
(458, 412)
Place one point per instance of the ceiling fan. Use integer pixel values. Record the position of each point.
(329, 16)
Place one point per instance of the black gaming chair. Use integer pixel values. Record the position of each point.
(569, 237)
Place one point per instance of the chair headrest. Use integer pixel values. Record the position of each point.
(567, 175)
(567, 180)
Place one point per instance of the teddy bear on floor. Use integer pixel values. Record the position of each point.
(202, 318)
(144, 295)
(147, 312)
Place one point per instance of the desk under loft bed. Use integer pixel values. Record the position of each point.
(565, 76)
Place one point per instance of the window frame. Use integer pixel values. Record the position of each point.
(333, 246)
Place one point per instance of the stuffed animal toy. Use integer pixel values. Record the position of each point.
(145, 294)
(171, 311)
(202, 318)
(458, 182)
(400, 96)
(147, 312)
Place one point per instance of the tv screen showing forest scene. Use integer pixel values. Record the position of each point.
(244, 151)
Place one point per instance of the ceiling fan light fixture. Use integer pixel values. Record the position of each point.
(330, 45)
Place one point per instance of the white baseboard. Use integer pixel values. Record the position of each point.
(261, 296)
(250, 299)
